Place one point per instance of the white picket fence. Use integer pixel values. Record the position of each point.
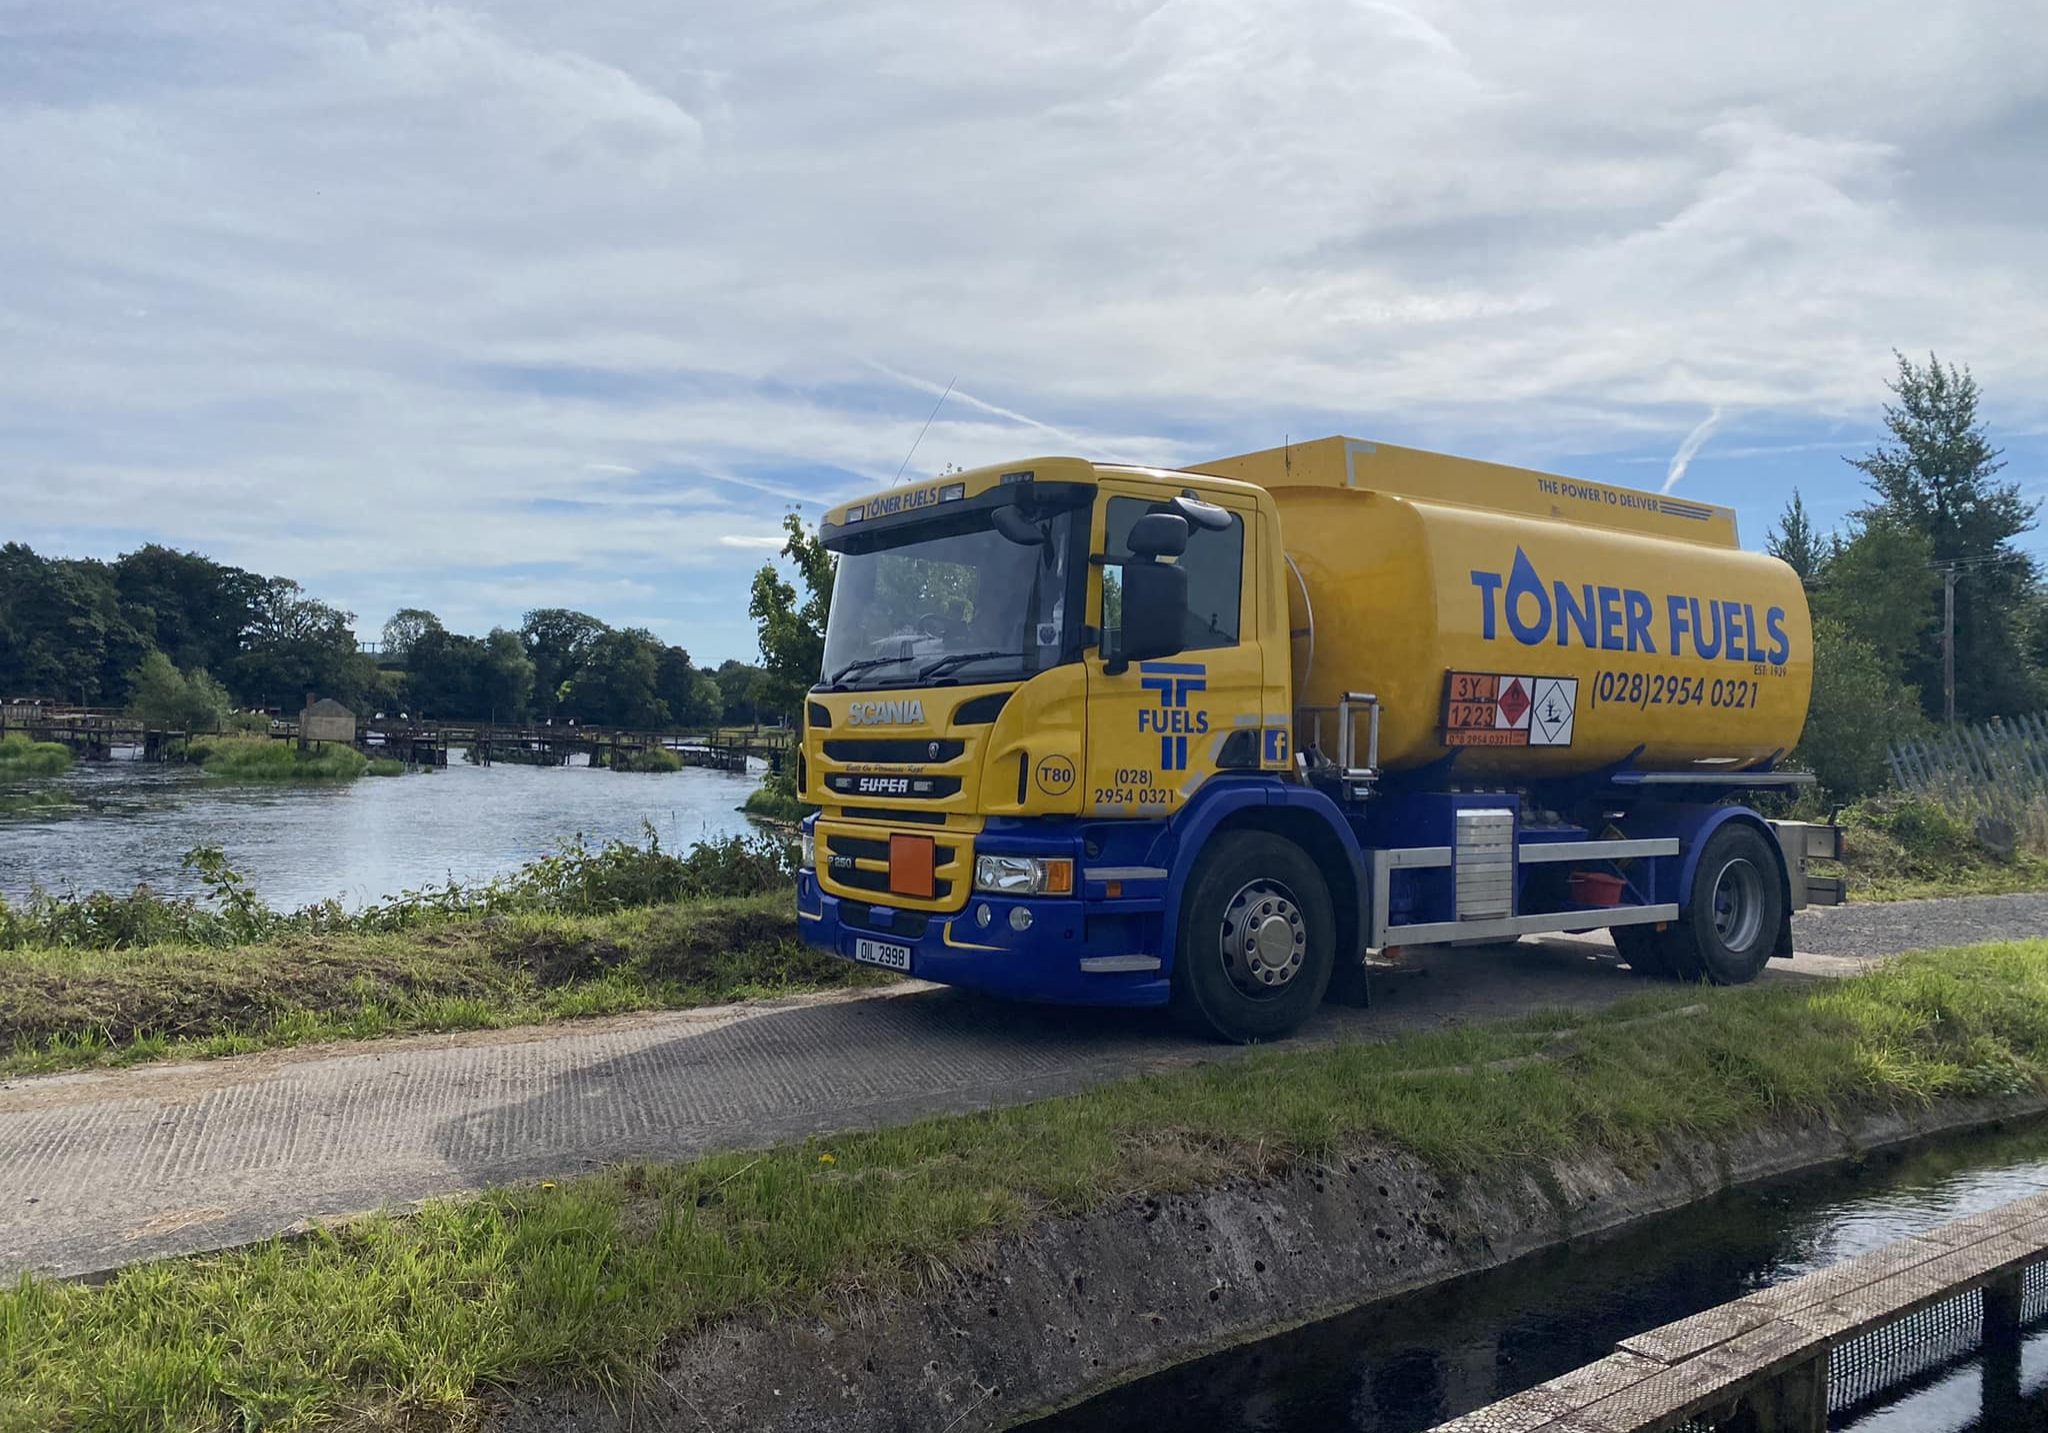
(1999, 766)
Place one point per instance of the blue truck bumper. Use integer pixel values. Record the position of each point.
(1042, 963)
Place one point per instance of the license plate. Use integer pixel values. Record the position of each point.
(880, 952)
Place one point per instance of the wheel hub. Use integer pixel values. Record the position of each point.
(1738, 905)
(1264, 938)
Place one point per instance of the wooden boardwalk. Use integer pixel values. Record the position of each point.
(97, 733)
(1763, 1362)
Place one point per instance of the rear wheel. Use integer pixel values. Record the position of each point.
(1647, 950)
(1257, 939)
(1737, 904)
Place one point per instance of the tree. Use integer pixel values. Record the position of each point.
(63, 633)
(1937, 477)
(1795, 543)
(171, 700)
(792, 632)
(557, 640)
(405, 628)
(1879, 587)
(1859, 709)
(297, 647)
(505, 679)
(191, 608)
(444, 674)
(617, 684)
(736, 683)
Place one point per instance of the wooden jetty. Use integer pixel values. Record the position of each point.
(1776, 1361)
(98, 733)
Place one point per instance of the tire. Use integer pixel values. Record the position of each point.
(1257, 940)
(1647, 950)
(1733, 911)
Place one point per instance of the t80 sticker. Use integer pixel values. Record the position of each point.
(1056, 776)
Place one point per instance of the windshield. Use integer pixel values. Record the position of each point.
(960, 605)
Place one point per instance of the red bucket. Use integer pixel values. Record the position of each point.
(1596, 888)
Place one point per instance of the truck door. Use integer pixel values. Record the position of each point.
(1158, 729)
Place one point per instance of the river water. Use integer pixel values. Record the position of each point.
(124, 823)
(1409, 1363)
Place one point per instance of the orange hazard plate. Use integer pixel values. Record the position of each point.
(911, 860)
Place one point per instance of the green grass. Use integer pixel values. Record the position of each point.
(21, 757)
(261, 759)
(407, 1322)
(63, 1007)
(385, 766)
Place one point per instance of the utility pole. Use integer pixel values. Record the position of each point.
(1948, 642)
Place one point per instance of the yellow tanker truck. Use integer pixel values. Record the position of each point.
(1210, 737)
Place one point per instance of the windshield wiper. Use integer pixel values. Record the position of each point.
(957, 659)
(862, 665)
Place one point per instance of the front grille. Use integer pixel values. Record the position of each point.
(905, 788)
(899, 749)
(844, 852)
(895, 813)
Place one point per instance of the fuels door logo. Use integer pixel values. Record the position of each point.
(1174, 681)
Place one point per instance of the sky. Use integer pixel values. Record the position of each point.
(488, 307)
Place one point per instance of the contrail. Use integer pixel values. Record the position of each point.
(1694, 441)
(1079, 440)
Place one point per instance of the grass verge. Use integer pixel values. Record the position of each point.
(406, 1323)
(64, 1007)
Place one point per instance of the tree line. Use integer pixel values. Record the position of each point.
(1937, 516)
(186, 640)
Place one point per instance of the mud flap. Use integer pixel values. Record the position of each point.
(1350, 984)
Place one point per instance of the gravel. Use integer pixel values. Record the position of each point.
(1894, 926)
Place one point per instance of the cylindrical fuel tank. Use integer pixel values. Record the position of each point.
(1538, 646)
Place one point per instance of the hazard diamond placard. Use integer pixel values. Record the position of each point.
(1508, 709)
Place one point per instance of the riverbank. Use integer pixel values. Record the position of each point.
(831, 1270)
(68, 1008)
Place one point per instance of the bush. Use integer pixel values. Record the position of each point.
(652, 759)
(21, 757)
(775, 799)
(386, 766)
(171, 700)
(261, 759)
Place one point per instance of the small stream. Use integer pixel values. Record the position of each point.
(1409, 1363)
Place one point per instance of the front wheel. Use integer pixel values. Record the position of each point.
(1257, 941)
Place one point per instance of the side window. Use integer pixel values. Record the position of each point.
(1214, 563)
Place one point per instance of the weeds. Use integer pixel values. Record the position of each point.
(573, 879)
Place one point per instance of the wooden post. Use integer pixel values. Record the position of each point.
(2003, 1400)
(1796, 1401)
(1948, 643)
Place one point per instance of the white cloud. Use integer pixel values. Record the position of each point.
(384, 288)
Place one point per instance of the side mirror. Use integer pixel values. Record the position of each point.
(1012, 524)
(1155, 609)
(1158, 534)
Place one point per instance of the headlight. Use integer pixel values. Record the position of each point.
(1024, 875)
(807, 848)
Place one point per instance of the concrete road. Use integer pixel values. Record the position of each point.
(106, 1168)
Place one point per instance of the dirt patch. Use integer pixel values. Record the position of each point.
(1076, 1306)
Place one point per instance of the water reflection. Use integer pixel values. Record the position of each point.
(124, 823)
(1409, 1363)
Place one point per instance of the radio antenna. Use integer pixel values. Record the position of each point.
(926, 428)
